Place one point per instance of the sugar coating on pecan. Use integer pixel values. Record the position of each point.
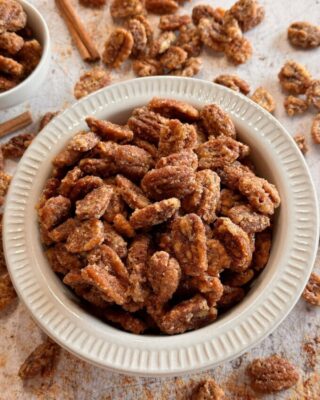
(272, 374)
(294, 78)
(313, 94)
(125, 8)
(17, 145)
(295, 105)
(174, 109)
(262, 97)
(86, 236)
(185, 158)
(311, 292)
(233, 82)
(208, 389)
(161, 6)
(304, 35)
(118, 47)
(173, 22)
(239, 51)
(248, 13)
(216, 122)
(12, 16)
(91, 81)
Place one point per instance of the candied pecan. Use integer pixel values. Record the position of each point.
(190, 68)
(5, 180)
(233, 82)
(93, 3)
(248, 13)
(125, 8)
(294, 78)
(189, 244)
(138, 32)
(7, 292)
(61, 260)
(217, 122)
(173, 22)
(301, 143)
(114, 240)
(231, 174)
(208, 390)
(107, 283)
(74, 279)
(231, 296)
(132, 161)
(154, 214)
(17, 145)
(162, 44)
(147, 146)
(147, 67)
(81, 187)
(239, 51)
(107, 257)
(217, 34)
(204, 200)
(83, 141)
(86, 236)
(66, 158)
(249, 220)
(228, 199)
(50, 190)
(125, 320)
(10, 66)
(97, 167)
(161, 6)
(62, 231)
(187, 315)
(272, 374)
(164, 275)
(219, 151)
(116, 206)
(168, 182)
(236, 241)
(177, 137)
(109, 131)
(7, 83)
(117, 48)
(174, 109)
(262, 195)
(238, 279)
(205, 11)
(147, 124)
(41, 361)
(313, 94)
(206, 283)
(261, 252)
(131, 193)
(173, 58)
(295, 105)
(123, 226)
(262, 97)
(147, 26)
(311, 292)
(68, 182)
(190, 40)
(10, 42)
(29, 56)
(304, 35)
(95, 203)
(137, 263)
(91, 81)
(47, 117)
(185, 158)
(218, 258)
(54, 212)
(315, 129)
(12, 16)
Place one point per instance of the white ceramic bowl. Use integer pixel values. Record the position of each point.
(29, 87)
(273, 294)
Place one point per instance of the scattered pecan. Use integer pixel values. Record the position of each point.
(248, 13)
(239, 51)
(304, 35)
(295, 105)
(272, 374)
(313, 94)
(294, 78)
(190, 40)
(93, 3)
(262, 97)
(41, 361)
(172, 22)
(315, 129)
(311, 292)
(174, 58)
(208, 390)
(138, 32)
(125, 8)
(190, 68)
(118, 47)
(233, 82)
(161, 6)
(147, 67)
(206, 11)
(17, 145)
(301, 143)
(91, 81)
(162, 43)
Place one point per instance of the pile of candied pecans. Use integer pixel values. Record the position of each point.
(20, 53)
(159, 224)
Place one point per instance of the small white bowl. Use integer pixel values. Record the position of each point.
(29, 87)
(272, 295)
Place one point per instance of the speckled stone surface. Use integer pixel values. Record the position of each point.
(73, 378)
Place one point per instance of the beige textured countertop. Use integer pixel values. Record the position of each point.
(74, 379)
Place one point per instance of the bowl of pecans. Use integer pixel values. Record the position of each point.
(160, 226)
(24, 51)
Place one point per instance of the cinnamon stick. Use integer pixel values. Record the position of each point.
(82, 35)
(18, 122)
